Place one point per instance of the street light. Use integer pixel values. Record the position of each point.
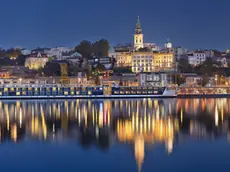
(20, 80)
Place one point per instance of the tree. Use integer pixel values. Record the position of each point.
(84, 48)
(122, 70)
(184, 66)
(20, 60)
(178, 79)
(101, 48)
(51, 69)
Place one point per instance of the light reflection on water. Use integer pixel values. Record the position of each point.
(140, 123)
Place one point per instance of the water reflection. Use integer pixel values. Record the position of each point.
(167, 122)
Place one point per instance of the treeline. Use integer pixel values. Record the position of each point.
(11, 57)
(209, 68)
(88, 49)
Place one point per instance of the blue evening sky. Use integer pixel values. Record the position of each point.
(188, 23)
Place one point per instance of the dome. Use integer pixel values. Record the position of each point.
(168, 44)
(76, 54)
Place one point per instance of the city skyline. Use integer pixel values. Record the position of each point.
(188, 24)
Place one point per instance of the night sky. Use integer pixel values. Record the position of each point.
(188, 23)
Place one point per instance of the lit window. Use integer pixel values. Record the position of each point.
(18, 93)
(72, 92)
(89, 92)
(77, 92)
(66, 93)
(54, 89)
(0, 93)
(11, 89)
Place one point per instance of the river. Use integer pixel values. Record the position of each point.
(115, 135)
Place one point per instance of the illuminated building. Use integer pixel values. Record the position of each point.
(152, 62)
(163, 61)
(138, 36)
(142, 62)
(36, 61)
(123, 59)
(168, 45)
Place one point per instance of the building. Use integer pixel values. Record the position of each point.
(123, 59)
(5, 73)
(36, 61)
(151, 46)
(180, 52)
(164, 61)
(138, 36)
(152, 62)
(57, 52)
(142, 62)
(196, 58)
(41, 50)
(106, 61)
(153, 79)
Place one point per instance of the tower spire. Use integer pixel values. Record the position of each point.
(138, 26)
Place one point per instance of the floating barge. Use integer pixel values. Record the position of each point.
(80, 92)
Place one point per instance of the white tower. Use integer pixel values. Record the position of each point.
(138, 36)
(168, 44)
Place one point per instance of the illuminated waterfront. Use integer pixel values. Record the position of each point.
(115, 135)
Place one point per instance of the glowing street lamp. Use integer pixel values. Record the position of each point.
(20, 80)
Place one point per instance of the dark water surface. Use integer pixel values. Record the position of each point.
(115, 135)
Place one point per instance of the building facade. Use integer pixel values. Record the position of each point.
(153, 80)
(36, 61)
(196, 58)
(142, 62)
(123, 59)
(164, 61)
(58, 52)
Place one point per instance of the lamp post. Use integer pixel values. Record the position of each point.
(216, 78)
(20, 81)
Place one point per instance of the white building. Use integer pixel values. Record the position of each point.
(58, 51)
(180, 52)
(168, 44)
(153, 79)
(36, 61)
(196, 58)
(142, 62)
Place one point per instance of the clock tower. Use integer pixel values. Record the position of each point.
(138, 36)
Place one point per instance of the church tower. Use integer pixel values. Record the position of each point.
(138, 36)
